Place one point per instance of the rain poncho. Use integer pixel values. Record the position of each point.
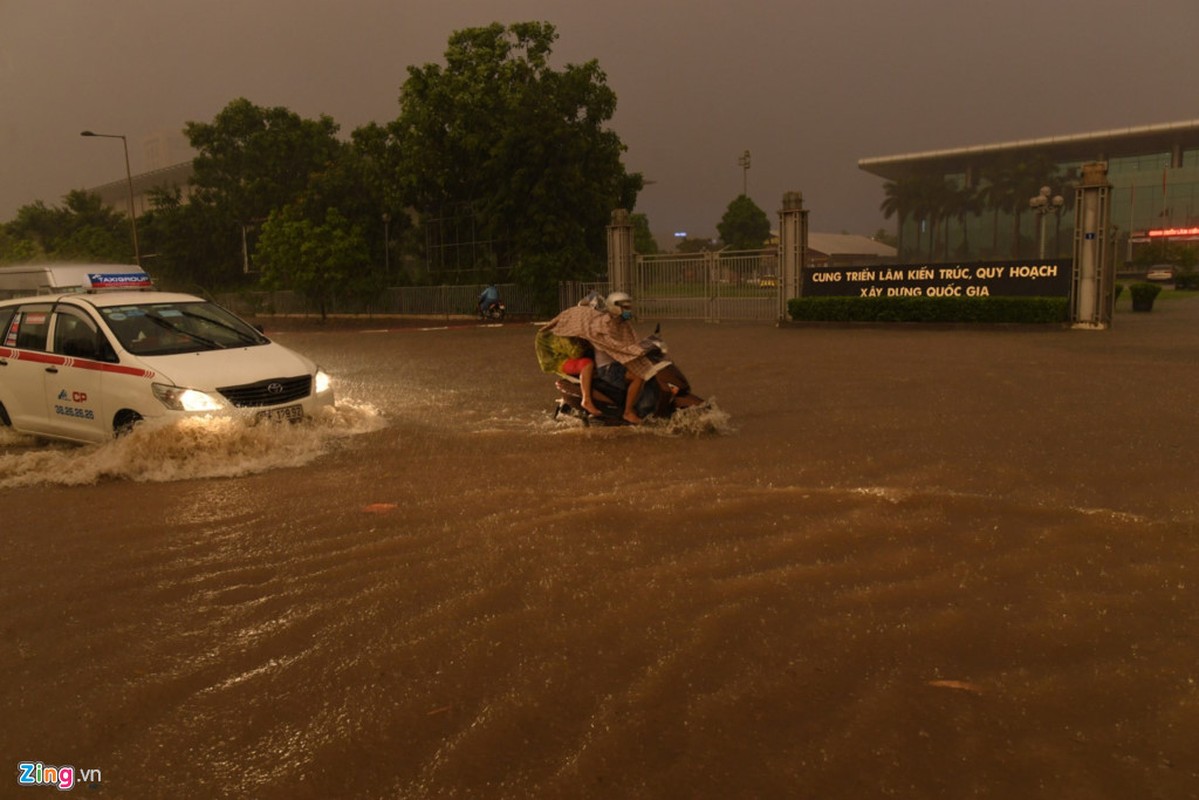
(601, 330)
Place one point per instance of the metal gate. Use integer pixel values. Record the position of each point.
(713, 286)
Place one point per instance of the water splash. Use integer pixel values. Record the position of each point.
(705, 419)
(172, 450)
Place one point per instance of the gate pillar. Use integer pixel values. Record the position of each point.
(620, 252)
(1092, 282)
(793, 250)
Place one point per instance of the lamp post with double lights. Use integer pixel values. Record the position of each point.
(137, 255)
(743, 162)
(1042, 205)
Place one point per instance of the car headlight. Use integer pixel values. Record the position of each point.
(178, 398)
(323, 381)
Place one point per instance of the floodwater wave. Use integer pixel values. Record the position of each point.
(174, 450)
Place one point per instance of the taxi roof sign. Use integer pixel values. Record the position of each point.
(111, 281)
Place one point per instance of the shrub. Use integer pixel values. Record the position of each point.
(1143, 295)
(930, 309)
(1119, 291)
(1187, 279)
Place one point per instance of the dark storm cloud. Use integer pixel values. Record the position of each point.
(807, 87)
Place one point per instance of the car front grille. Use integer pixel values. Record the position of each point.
(270, 392)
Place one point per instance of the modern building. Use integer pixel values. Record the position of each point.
(974, 201)
(168, 156)
(115, 195)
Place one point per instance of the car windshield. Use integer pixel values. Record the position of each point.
(156, 329)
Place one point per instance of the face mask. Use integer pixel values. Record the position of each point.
(626, 314)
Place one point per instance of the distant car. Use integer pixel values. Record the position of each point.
(1160, 272)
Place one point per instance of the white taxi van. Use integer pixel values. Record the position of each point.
(87, 365)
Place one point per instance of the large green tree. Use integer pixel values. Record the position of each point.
(517, 147)
(744, 225)
(643, 238)
(252, 160)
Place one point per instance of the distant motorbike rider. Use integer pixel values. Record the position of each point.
(487, 298)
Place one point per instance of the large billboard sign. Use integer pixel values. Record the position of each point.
(1034, 278)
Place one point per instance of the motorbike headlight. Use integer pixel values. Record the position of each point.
(323, 381)
(178, 398)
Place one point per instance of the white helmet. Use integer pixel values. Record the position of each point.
(617, 302)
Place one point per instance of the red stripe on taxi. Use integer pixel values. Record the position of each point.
(78, 363)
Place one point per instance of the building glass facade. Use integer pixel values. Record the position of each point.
(973, 203)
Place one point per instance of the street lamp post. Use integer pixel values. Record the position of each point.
(387, 245)
(1042, 205)
(137, 255)
(744, 164)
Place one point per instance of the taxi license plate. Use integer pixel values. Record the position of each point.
(286, 413)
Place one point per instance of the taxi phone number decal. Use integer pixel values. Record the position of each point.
(82, 413)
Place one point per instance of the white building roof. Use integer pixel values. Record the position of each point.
(848, 244)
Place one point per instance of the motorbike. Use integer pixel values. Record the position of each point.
(493, 311)
(662, 395)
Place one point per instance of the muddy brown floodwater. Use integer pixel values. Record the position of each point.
(884, 562)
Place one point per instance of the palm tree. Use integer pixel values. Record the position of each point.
(968, 201)
(999, 194)
(934, 206)
(899, 202)
(1029, 176)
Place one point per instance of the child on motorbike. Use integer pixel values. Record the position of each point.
(619, 356)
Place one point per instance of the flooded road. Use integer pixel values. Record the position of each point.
(913, 563)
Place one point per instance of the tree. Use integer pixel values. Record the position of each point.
(643, 239)
(967, 202)
(524, 147)
(883, 237)
(194, 247)
(899, 202)
(1010, 184)
(933, 202)
(315, 259)
(744, 225)
(82, 229)
(253, 160)
(695, 245)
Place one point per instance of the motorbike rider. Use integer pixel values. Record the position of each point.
(487, 298)
(615, 356)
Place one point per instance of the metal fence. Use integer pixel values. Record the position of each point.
(417, 301)
(723, 285)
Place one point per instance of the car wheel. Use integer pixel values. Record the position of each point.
(4, 420)
(124, 422)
